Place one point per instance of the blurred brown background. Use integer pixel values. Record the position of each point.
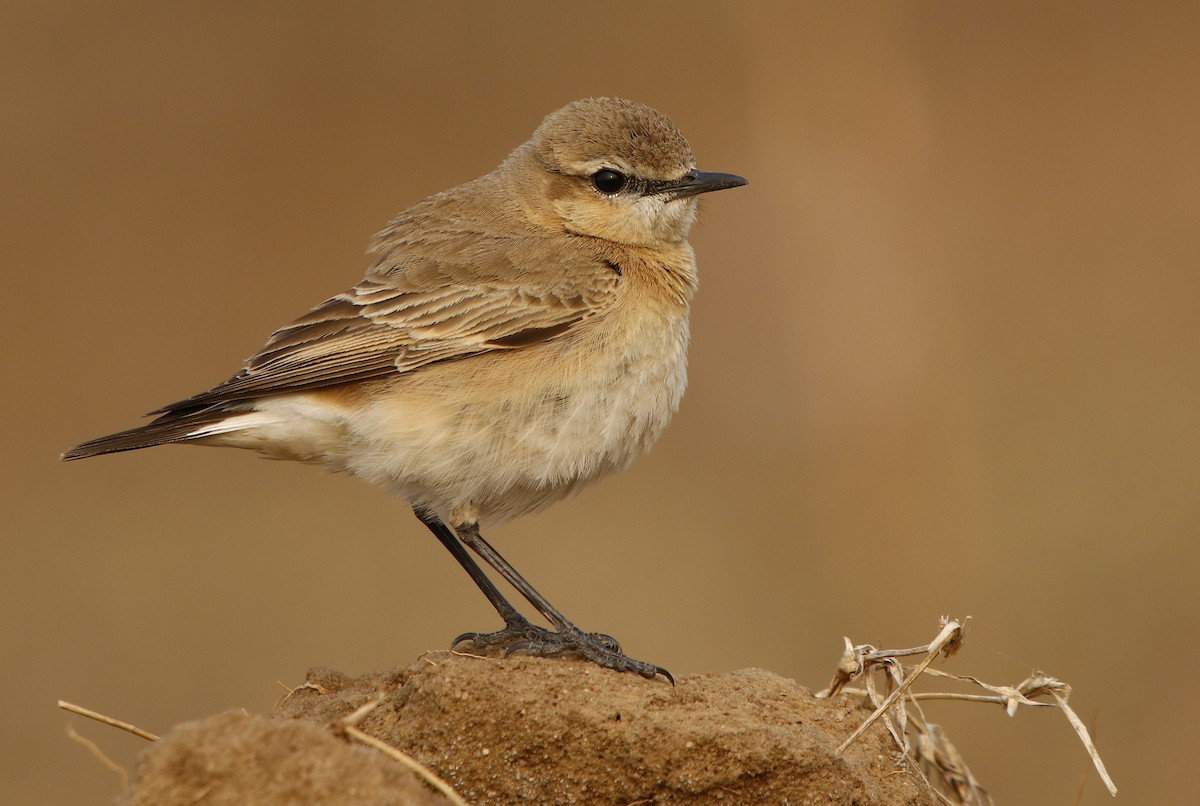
(945, 356)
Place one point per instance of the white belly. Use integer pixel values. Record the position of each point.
(502, 434)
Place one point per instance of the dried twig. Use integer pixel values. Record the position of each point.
(1061, 698)
(99, 754)
(107, 720)
(901, 711)
(349, 726)
(288, 693)
(951, 634)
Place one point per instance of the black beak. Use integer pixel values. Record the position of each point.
(695, 182)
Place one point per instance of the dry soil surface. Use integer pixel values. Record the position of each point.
(533, 731)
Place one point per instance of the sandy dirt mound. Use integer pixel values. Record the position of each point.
(527, 730)
(236, 758)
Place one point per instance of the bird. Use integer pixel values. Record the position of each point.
(514, 339)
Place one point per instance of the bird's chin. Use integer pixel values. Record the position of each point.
(675, 219)
(652, 220)
(655, 221)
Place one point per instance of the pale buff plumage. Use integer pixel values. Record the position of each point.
(516, 338)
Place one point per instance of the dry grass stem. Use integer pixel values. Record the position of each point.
(951, 634)
(349, 726)
(99, 754)
(359, 714)
(107, 720)
(922, 742)
(1082, 731)
(918, 696)
(289, 692)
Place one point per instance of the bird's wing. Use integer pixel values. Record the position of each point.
(420, 311)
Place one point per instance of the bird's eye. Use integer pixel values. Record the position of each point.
(608, 181)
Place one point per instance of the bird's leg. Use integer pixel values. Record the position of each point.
(567, 640)
(513, 620)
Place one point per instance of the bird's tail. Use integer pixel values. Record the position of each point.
(174, 426)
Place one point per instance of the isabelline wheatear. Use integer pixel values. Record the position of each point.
(515, 339)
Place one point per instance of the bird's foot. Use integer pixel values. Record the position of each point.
(601, 649)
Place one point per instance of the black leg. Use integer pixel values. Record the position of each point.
(518, 633)
(447, 538)
(469, 533)
(569, 639)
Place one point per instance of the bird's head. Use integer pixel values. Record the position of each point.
(616, 170)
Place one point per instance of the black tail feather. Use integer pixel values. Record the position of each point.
(172, 427)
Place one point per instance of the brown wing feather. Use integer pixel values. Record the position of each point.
(409, 313)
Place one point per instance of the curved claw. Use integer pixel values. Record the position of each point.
(517, 647)
(467, 636)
